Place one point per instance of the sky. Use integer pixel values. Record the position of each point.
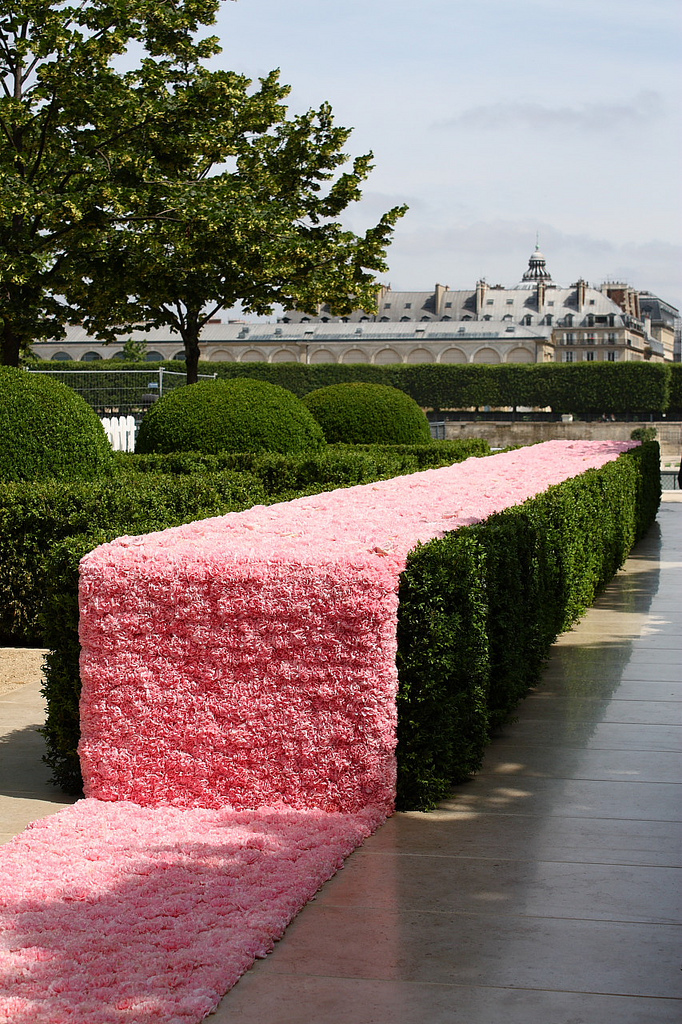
(496, 122)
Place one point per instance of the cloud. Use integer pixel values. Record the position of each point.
(593, 117)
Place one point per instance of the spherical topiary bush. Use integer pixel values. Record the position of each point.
(238, 415)
(358, 413)
(48, 430)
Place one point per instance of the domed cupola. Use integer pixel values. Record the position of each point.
(537, 269)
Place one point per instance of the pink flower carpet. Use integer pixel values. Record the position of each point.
(238, 735)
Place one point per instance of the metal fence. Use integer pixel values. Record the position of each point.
(121, 392)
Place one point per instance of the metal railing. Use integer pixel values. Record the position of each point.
(121, 392)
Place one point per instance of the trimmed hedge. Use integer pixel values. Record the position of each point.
(46, 528)
(675, 403)
(47, 430)
(480, 608)
(362, 413)
(36, 516)
(152, 492)
(333, 466)
(580, 388)
(237, 416)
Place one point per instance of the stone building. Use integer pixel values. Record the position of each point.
(535, 321)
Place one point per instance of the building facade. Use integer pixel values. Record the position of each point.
(536, 321)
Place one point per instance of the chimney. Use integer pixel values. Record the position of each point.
(581, 291)
(540, 292)
(441, 289)
(481, 289)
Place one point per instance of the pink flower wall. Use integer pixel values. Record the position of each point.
(250, 659)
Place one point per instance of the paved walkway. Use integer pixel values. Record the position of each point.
(543, 892)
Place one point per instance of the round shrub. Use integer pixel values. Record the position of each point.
(358, 413)
(237, 415)
(48, 430)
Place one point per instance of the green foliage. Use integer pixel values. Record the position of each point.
(644, 434)
(365, 413)
(443, 666)
(480, 609)
(132, 351)
(675, 403)
(59, 630)
(36, 516)
(333, 466)
(116, 207)
(47, 430)
(84, 145)
(583, 388)
(240, 416)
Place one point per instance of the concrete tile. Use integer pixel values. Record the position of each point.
(455, 833)
(603, 736)
(18, 812)
(469, 885)
(633, 712)
(306, 999)
(596, 957)
(510, 760)
(643, 801)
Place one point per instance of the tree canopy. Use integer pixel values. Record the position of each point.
(157, 195)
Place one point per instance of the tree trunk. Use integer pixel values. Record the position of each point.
(190, 339)
(10, 346)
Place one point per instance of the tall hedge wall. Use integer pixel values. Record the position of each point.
(46, 528)
(480, 608)
(478, 612)
(579, 388)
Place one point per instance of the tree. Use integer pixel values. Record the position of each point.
(170, 191)
(81, 141)
(263, 232)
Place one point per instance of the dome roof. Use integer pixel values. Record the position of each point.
(537, 270)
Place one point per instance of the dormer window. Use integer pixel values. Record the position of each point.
(408, 305)
(448, 305)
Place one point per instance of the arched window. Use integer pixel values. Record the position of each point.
(153, 357)
(63, 357)
(90, 357)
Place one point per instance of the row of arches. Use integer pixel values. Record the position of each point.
(383, 357)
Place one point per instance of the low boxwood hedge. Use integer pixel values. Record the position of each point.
(480, 608)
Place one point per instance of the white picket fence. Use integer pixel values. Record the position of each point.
(121, 432)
